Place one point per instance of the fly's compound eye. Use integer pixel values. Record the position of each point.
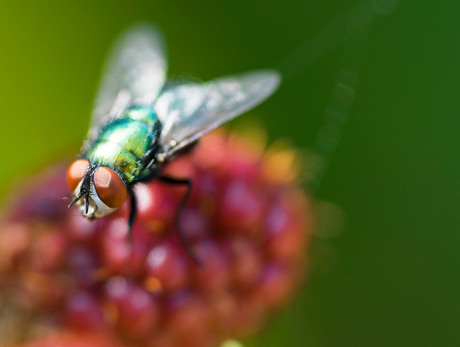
(109, 187)
(76, 172)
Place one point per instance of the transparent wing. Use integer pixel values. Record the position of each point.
(190, 111)
(135, 71)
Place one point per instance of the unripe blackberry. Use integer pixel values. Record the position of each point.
(248, 222)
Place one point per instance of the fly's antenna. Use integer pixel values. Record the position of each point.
(75, 200)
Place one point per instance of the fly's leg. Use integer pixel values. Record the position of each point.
(132, 213)
(183, 238)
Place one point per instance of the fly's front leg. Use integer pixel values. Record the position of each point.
(132, 213)
(185, 241)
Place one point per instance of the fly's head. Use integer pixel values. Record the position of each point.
(98, 190)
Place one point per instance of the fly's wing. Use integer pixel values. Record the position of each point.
(190, 111)
(135, 72)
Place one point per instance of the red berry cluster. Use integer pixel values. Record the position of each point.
(247, 221)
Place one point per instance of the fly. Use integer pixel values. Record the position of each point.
(140, 122)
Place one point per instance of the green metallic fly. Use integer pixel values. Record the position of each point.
(140, 123)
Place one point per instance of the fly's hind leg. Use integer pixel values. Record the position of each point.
(183, 238)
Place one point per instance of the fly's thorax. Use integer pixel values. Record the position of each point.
(132, 135)
(113, 155)
(145, 114)
(124, 142)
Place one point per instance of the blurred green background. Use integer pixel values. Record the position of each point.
(392, 277)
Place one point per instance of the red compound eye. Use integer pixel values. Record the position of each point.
(75, 173)
(110, 187)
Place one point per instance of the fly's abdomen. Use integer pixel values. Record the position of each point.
(123, 143)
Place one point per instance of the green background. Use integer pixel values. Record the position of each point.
(392, 276)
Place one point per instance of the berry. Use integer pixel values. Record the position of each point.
(247, 221)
